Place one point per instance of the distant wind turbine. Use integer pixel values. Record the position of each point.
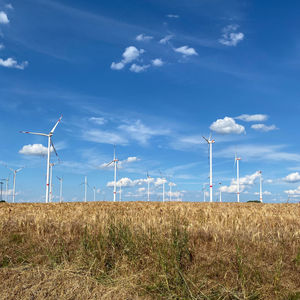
(50, 144)
(260, 187)
(14, 181)
(60, 188)
(148, 190)
(220, 183)
(210, 142)
(237, 162)
(6, 188)
(115, 162)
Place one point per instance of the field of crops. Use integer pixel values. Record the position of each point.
(138, 250)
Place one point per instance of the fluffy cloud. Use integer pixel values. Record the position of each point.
(11, 63)
(293, 192)
(143, 37)
(166, 39)
(252, 118)
(227, 126)
(230, 37)
(157, 62)
(130, 54)
(266, 193)
(172, 184)
(34, 149)
(3, 18)
(263, 127)
(124, 182)
(245, 182)
(293, 177)
(132, 159)
(138, 68)
(173, 16)
(160, 181)
(1, 46)
(186, 51)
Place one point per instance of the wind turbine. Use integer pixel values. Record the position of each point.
(94, 189)
(210, 141)
(260, 187)
(220, 183)
(6, 188)
(60, 188)
(1, 183)
(50, 182)
(120, 191)
(115, 162)
(170, 189)
(14, 181)
(148, 183)
(50, 144)
(237, 162)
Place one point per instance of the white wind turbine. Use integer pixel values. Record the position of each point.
(50, 144)
(148, 183)
(260, 187)
(115, 162)
(220, 190)
(14, 181)
(171, 184)
(6, 187)
(94, 189)
(50, 182)
(210, 141)
(237, 162)
(60, 188)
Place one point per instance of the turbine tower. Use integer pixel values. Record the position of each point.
(50, 182)
(50, 144)
(94, 189)
(14, 181)
(6, 188)
(220, 183)
(60, 188)
(115, 162)
(148, 183)
(210, 141)
(260, 187)
(237, 162)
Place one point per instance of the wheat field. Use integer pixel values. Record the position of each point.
(138, 250)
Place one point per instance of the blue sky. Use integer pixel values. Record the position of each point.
(151, 77)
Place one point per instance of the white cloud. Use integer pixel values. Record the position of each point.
(186, 51)
(9, 6)
(124, 182)
(117, 66)
(160, 181)
(142, 133)
(130, 54)
(11, 63)
(263, 127)
(141, 190)
(157, 62)
(172, 184)
(97, 120)
(143, 37)
(293, 177)
(227, 126)
(166, 39)
(293, 192)
(3, 18)
(253, 118)
(266, 193)
(230, 37)
(104, 137)
(34, 149)
(1, 46)
(138, 68)
(245, 182)
(132, 159)
(173, 16)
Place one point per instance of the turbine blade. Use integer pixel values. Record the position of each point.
(109, 163)
(52, 131)
(35, 133)
(205, 139)
(18, 170)
(54, 150)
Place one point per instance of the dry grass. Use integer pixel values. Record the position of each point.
(150, 251)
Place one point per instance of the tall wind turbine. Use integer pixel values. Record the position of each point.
(14, 182)
(94, 189)
(210, 141)
(237, 162)
(115, 162)
(50, 182)
(148, 190)
(170, 189)
(6, 188)
(50, 144)
(60, 188)
(260, 187)
(220, 183)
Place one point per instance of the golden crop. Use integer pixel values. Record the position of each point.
(138, 250)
